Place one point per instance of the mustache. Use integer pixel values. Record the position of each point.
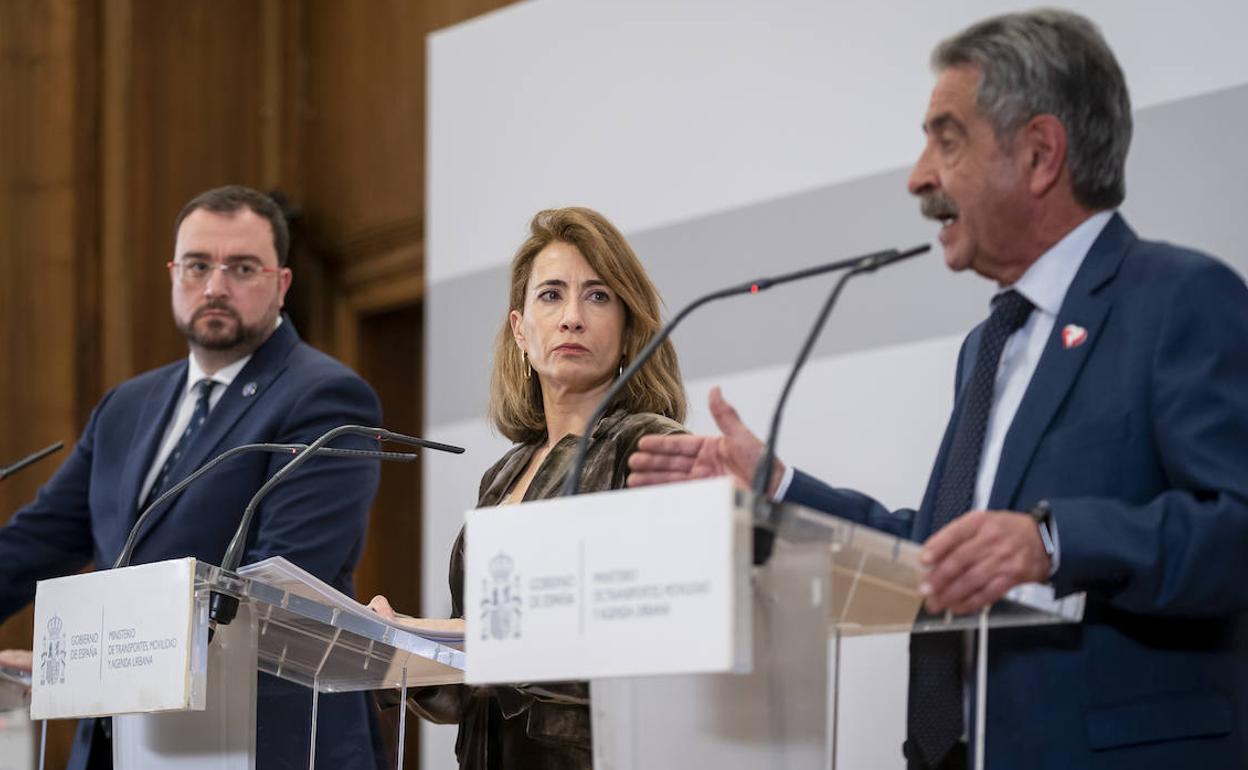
(219, 306)
(936, 204)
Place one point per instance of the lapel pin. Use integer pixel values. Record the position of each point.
(1073, 336)
(250, 388)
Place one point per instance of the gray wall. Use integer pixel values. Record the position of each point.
(735, 139)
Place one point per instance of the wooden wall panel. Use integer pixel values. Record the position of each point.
(361, 118)
(193, 119)
(46, 256)
(39, 266)
(389, 357)
(114, 112)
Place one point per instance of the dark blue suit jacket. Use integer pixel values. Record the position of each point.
(1139, 440)
(287, 393)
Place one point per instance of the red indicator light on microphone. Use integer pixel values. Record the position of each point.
(753, 288)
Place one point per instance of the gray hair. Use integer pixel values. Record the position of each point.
(1052, 62)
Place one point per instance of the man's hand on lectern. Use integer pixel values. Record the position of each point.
(979, 556)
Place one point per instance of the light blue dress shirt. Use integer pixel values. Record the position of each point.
(1045, 284)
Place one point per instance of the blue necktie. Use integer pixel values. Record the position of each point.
(203, 391)
(934, 716)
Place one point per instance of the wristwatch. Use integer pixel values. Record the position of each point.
(1043, 515)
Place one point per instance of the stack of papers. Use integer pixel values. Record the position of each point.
(276, 571)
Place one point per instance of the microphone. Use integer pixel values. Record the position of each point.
(222, 608)
(876, 259)
(764, 511)
(30, 460)
(123, 559)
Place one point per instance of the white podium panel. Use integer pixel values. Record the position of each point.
(624, 583)
(133, 643)
(117, 641)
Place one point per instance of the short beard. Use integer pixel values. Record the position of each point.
(244, 340)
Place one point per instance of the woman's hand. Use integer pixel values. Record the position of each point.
(22, 660)
(13, 695)
(381, 605)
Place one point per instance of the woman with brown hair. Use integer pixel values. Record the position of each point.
(581, 307)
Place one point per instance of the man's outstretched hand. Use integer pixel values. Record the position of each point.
(665, 459)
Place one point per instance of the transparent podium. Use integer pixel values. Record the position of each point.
(289, 625)
(827, 579)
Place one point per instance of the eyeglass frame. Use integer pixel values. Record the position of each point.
(227, 268)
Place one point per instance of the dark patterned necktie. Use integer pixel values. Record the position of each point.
(935, 701)
(203, 391)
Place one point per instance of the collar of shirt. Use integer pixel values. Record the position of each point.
(224, 375)
(1046, 282)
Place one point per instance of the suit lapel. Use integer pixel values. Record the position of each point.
(1085, 305)
(149, 430)
(256, 377)
(265, 365)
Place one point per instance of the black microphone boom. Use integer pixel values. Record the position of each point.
(30, 460)
(123, 559)
(876, 259)
(222, 608)
(762, 472)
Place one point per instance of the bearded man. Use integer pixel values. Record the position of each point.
(248, 379)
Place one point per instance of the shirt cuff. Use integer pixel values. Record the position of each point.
(783, 487)
(1056, 558)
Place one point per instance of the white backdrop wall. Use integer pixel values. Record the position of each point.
(734, 138)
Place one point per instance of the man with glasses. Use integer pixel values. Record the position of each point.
(248, 379)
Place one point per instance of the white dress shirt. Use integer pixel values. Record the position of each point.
(185, 407)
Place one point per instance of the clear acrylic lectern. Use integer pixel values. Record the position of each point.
(289, 625)
(827, 578)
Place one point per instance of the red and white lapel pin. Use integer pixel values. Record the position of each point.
(1073, 335)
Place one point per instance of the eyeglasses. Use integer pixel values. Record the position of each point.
(196, 272)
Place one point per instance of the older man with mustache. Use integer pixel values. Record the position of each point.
(1098, 441)
(248, 379)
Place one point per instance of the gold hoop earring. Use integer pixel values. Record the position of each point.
(528, 370)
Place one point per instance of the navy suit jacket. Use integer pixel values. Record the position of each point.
(1139, 441)
(287, 393)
